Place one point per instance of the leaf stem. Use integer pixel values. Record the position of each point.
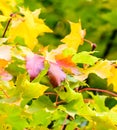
(93, 45)
(64, 123)
(56, 99)
(4, 93)
(99, 90)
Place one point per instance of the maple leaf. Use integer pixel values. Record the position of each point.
(3, 63)
(85, 58)
(6, 6)
(51, 56)
(112, 79)
(75, 38)
(67, 64)
(33, 90)
(55, 74)
(34, 64)
(101, 68)
(28, 27)
(62, 55)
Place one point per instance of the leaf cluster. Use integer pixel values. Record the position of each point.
(43, 87)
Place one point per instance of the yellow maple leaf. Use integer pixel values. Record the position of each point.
(75, 38)
(101, 68)
(28, 27)
(6, 6)
(113, 78)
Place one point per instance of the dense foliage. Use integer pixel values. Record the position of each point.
(52, 86)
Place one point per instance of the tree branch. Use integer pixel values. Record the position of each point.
(99, 90)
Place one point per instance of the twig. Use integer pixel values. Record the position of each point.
(50, 93)
(99, 90)
(57, 103)
(6, 27)
(8, 23)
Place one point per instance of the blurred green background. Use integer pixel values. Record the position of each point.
(98, 17)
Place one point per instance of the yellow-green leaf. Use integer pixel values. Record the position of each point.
(33, 90)
(101, 68)
(85, 58)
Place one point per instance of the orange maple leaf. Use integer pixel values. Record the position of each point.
(66, 63)
(3, 63)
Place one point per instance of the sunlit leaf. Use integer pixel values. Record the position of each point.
(33, 90)
(43, 102)
(85, 58)
(113, 78)
(3, 63)
(101, 69)
(41, 118)
(67, 64)
(13, 116)
(99, 103)
(28, 27)
(62, 55)
(3, 18)
(75, 103)
(75, 38)
(51, 56)
(6, 6)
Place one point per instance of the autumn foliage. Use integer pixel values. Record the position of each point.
(43, 87)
